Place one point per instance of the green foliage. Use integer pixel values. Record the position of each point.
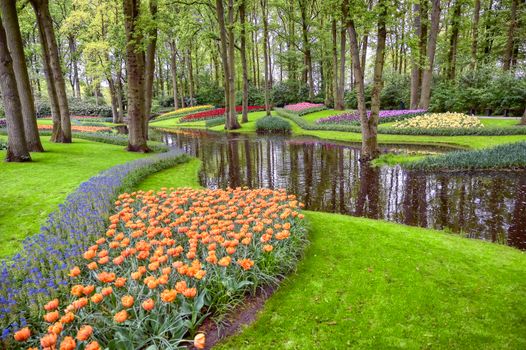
(210, 93)
(289, 92)
(3, 145)
(215, 121)
(507, 156)
(270, 124)
(256, 97)
(76, 107)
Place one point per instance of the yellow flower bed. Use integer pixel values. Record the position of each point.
(440, 121)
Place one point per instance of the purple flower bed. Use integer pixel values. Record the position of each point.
(384, 116)
(3, 123)
(31, 277)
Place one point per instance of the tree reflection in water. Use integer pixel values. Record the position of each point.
(329, 177)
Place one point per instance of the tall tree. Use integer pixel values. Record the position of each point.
(243, 55)
(264, 9)
(16, 48)
(149, 65)
(135, 62)
(510, 40)
(431, 47)
(453, 41)
(54, 76)
(173, 67)
(17, 150)
(475, 35)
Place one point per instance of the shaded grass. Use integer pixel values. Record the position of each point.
(374, 285)
(30, 191)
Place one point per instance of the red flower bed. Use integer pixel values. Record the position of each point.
(214, 113)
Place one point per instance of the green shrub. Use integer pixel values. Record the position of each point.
(507, 156)
(3, 145)
(256, 97)
(289, 92)
(270, 124)
(76, 107)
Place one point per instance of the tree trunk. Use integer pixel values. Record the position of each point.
(336, 82)
(173, 66)
(363, 59)
(55, 77)
(523, 119)
(475, 35)
(453, 41)
(114, 101)
(244, 103)
(149, 67)
(74, 66)
(190, 76)
(510, 41)
(431, 47)
(370, 143)
(120, 93)
(135, 62)
(307, 72)
(16, 142)
(340, 104)
(415, 59)
(12, 29)
(368, 149)
(264, 9)
(232, 114)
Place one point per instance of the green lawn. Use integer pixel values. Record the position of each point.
(30, 191)
(377, 285)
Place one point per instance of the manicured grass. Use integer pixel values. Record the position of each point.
(182, 175)
(30, 191)
(499, 122)
(374, 285)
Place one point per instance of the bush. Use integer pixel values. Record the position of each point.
(289, 92)
(270, 124)
(255, 96)
(3, 145)
(509, 156)
(76, 107)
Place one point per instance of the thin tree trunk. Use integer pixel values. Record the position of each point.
(232, 114)
(341, 86)
(135, 62)
(16, 142)
(173, 66)
(242, 19)
(415, 59)
(475, 35)
(190, 76)
(370, 143)
(335, 67)
(431, 47)
(264, 10)
(75, 66)
(120, 93)
(453, 41)
(307, 72)
(363, 59)
(113, 99)
(49, 44)
(149, 68)
(510, 41)
(12, 29)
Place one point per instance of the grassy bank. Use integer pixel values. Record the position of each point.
(30, 191)
(375, 285)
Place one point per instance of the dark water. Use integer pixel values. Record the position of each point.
(328, 177)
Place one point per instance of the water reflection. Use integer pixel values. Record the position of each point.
(329, 177)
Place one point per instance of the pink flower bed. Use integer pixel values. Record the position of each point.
(298, 107)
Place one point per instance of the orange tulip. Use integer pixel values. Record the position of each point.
(190, 292)
(120, 282)
(67, 318)
(56, 328)
(77, 290)
(68, 343)
(48, 340)
(168, 295)
(200, 341)
(84, 333)
(51, 316)
(127, 301)
(87, 290)
(120, 316)
(225, 261)
(52, 305)
(97, 298)
(268, 248)
(74, 272)
(23, 334)
(246, 264)
(92, 346)
(106, 291)
(148, 304)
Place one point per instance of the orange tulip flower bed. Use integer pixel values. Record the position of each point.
(78, 128)
(167, 261)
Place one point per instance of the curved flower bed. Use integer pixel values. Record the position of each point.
(383, 116)
(440, 121)
(182, 111)
(214, 113)
(79, 128)
(165, 262)
(303, 108)
(39, 271)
